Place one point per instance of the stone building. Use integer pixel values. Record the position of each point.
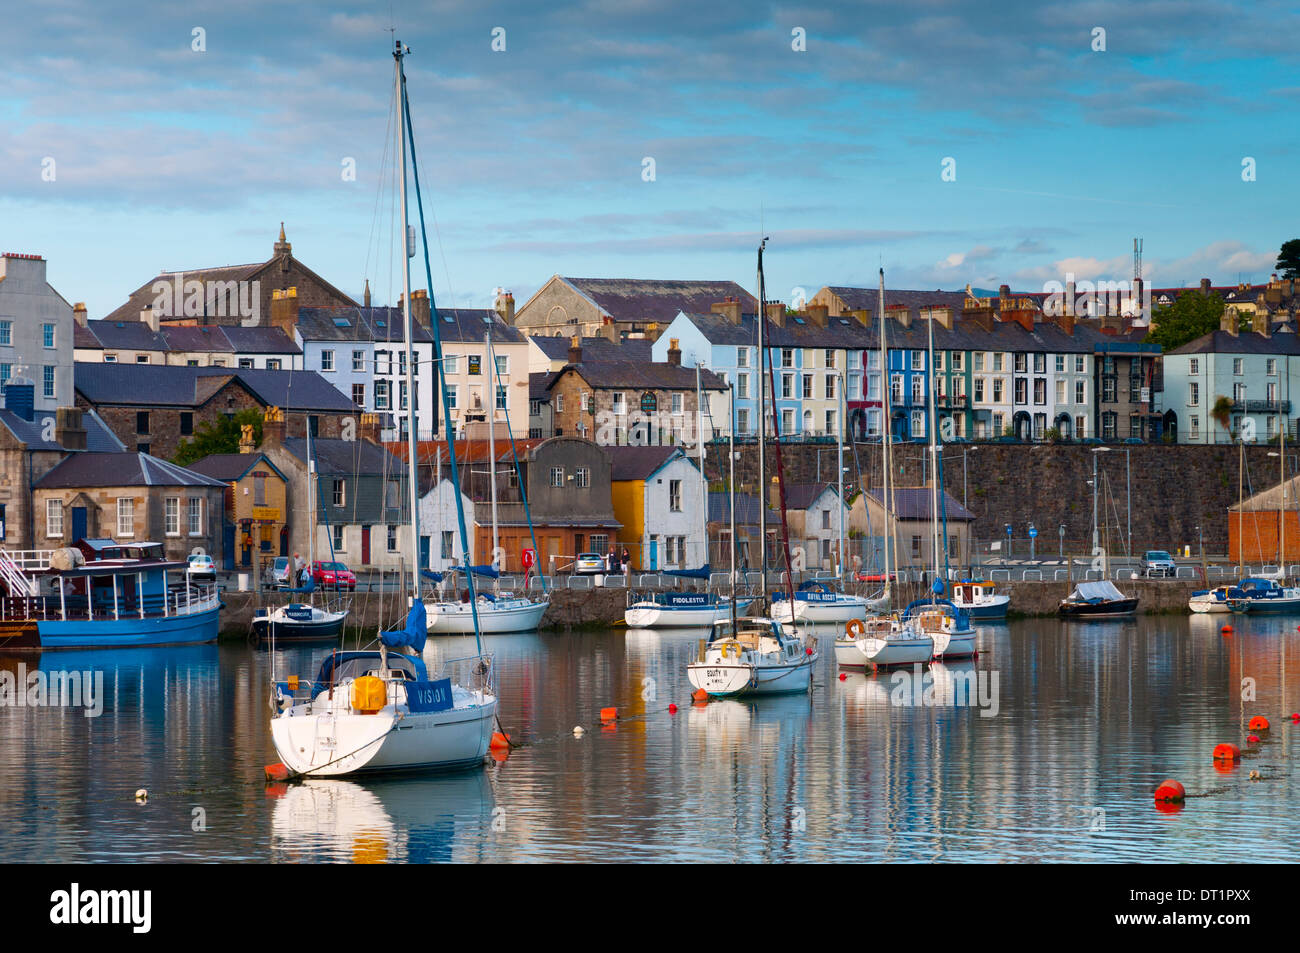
(129, 497)
(229, 294)
(36, 340)
(153, 408)
(256, 525)
(618, 307)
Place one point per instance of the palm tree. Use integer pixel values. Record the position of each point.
(1222, 411)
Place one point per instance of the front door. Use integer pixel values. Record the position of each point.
(78, 523)
(424, 552)
(365, 545)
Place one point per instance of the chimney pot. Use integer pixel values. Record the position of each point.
(575, 350)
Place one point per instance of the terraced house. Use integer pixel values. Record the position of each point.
(35, 332)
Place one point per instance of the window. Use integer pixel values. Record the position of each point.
(1040, 390)
(336, 538)
(47, 335)
(401, 395)
(997, 360)
(1193, 394)
(916, 547)
(358, 362)
(896, 388)
(47, 381)
(956, 360)
(1040, 425)
(451, 363)
(1022, 363)
(1194, 365)
(742, 385)
(187, 423)
(1239, 393)
(1194, 426)
(979, 360)
(1060, 363)
(359, 394)
(1108, 390)
(53, 518)
(1135, 426)
(1270, 367)
(826, 519)
(807, 387)
(557, 476)
(584, 401)
(1108, 425)
(381, 395)
(453, 396)
(1060, 392)
(599, 542)
(620, 402)
(259, 489)
(582, 477)
(742, 420)
(172, 516)
(1040, 363)
(1080, 392)
(918, 393)
(125, 516)
(830, 358)
(873, 360)
(787, 357)
(501, 397)
(1236, 367)
(142, 421)
(855, 386)
(340, 493)
(677, 404)
(273, 364)
(447, 542)
(787, 421)
(196, 516)
(830, 387)
(979, 390)
(245, 363)
(1079, 365)
(503, 365)
(918, 360)
(6, 372)
(1022, 390)
(787, 386)
(997, 390)
(997, 425)
(1080, 427)
(675, 496)
(918, 423)
(559, 403)
(742, 357)
(392, 538)
(832, 423)
(6, 333)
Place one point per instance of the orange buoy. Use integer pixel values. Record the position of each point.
(843, 676)
(277, 772)
(499, 754)
(276, 789)
(1169, 807)
(1227, 752)
(609, 714)
(1225, 767)
(1170, 790)
(700, 695)
(672, 709)
(1253, 739)
(1258, 723)
(500, 741)
(1226, 630)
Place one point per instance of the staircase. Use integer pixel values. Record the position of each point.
(12, 575)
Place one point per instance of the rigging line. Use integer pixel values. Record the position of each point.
(437, 353)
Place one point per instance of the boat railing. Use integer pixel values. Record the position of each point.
(475, 673)
(13, 575)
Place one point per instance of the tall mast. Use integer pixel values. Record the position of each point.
(412, 440)
(839, 475)
(1281, 512)
(762, 436)
(731, 490)
(886, 431)
(934, 452)
(492, 433)
(704, 485)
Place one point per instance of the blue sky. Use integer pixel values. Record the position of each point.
(532, 158)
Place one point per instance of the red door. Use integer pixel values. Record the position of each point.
(365, 545)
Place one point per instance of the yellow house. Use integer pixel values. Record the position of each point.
(257, 511)
(658, 497)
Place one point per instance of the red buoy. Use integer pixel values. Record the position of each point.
(609, 714)
(1226, 630)
(277, 772)
(843, 676)
(807, 651)
(1258, 723)
(672, 709)
(1227, 752)
(1170, 790)
(1253, 739)
(699, 695)
(1295, 716)
(500, 741)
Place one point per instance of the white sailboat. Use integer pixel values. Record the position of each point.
(380, 710)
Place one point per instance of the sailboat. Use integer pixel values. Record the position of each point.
(756, 655)
(883, 640)
(1100, 599)
(674, 610)
(381, 710)
(301, 621)
(497, 611)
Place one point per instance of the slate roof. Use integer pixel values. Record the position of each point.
(259, 340)
(539, 386)
(595, 348)
(229, 467)
(347, 457)
(138, 336)
(388, 325)
(470, 324)
(642, 376)
(638, 299)
(99, 439)
(119, 469)
(913, 503)
(467, 451)
(640, 463)
(857, 299)
(144, 296)
(1246, 342)
(746, 510)
(161, 385)
(800, 496)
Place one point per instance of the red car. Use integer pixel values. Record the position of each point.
(873, 577)
(333, 576)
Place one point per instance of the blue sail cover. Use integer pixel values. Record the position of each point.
(702, 573)
(430, 574)
(484, 571)
(309, 587)
(415, 633)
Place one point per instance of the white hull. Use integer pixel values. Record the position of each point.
(899, 648)
(515, 615)
(652, 615)
(848, 655)
(734, 678)
(840, 611)
(960, 644)
(1207, 606)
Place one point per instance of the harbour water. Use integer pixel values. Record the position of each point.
(1054, 758)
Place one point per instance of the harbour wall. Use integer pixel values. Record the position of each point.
(576, 608)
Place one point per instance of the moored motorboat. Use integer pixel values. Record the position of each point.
(1262, 596)
(753, 656)
(1216, 600)
(680, 609)
(1097, 600)
(980, 599)
(296, 622)
(497, 612)
(816, 601)
(888, 641)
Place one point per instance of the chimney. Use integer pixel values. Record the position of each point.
(728, 307)
(1004, 292)
(1205, 287)
(575, 350)
(1021, 316)
(420, 307)
(1111, 323)
(776, 313)
(149, 317)
(246, 442)
(273, 427)
(862, 315)
(940, 314)
(20, 398)
(900, 313)
(674, 353)
(981, 317)
(284, 310)
(818, 314)
(1065, 322)
(1262, 323)
(79, 313)
(370, 428)
(68, 431)
(365, 298)
(505, 306)
(1069, 298)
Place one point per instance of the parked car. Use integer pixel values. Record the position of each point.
(1157, 562)
(280, 572)
(588, 564)
(1137, 440)
(328, 575)
(861, 576)
(201, 568)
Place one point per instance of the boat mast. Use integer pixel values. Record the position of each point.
(704, 484)
(412, 443)
(839, 475)
(886, 432)
(492, 433)
(762, 436)
(934, 453)
(731, 490)
(1281, 509)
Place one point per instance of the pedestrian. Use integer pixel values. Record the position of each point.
(627, 561)
(299, 564)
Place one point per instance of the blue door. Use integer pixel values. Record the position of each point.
(654, 553)
(78, 523)
(424, 552)
(228, 546)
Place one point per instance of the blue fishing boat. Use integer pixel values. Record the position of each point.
(101, 594)
(1261, 596)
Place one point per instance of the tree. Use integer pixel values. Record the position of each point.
(219, 437)
(1222, 411)
(1288, 259)
(1191, 315)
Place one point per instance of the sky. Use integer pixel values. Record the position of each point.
(654, 140)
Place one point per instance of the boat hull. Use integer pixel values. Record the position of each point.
(848, 655)
(1272, 606)
(32, 635)
(652, 615)
(264, 630)
(883, 653)
(992, 611)
(960, 644)
(1208, 606)
(1086, 611)
(455, 618)
(839, 611)
(731, 679)
(417, 741)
